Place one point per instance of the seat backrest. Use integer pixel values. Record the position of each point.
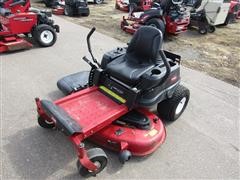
(145, 45)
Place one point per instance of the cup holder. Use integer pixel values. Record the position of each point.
(156, 72)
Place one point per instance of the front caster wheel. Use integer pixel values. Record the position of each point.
(44, 123)
(125, 156)
(211, 29)
(171, 109)
(202, 30)
(98, 157)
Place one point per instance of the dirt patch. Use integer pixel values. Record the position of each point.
(217, 54)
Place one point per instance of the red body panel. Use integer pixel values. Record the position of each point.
(58, 11)
(176, 27)
(18, 23)
(172, 27)
(138, 142)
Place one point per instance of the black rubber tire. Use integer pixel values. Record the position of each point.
(48, 3)
(68, 10)
(95, 155)
(157, 23)
(45, 124)
(167, 108)
(85, 14)
(98, 1)
(227, 20)
(116, 6)
(37, 32)
(211, 29)
(202, 30)
(125, 156)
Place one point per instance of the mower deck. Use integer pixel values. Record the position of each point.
(13, 43)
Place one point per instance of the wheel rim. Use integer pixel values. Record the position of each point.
(46, 36)
(49, 122)
(180, 106)
(98, 1)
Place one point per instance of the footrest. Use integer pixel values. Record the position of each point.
(73, 82)
(63, 121)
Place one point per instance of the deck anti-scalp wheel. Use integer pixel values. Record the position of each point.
(125, 156)
(98, 157)
(171, 109)
(44, 123)
(45, 35)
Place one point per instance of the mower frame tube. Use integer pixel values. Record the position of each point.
(75, 138)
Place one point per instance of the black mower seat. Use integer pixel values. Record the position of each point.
(142, 55)
(4, 12)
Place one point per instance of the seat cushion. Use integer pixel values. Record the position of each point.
(73, 82)
(126, 69)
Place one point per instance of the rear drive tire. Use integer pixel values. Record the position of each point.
(85, 14)
(98, 157)
(227, 20)
(44, 35)
(48, 3)
(157, 23)
(171, 109)
(68, 10)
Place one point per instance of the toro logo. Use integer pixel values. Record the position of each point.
(4, 20)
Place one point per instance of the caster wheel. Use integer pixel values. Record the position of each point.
(202, 30)
(98, 157)
(171, 109)
(45, 124)
(125, 156)
(211, 29)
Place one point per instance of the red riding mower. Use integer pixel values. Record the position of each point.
(233, 13)
(36, 24)
(68, 7)
(170, 17)
(140, 5)
(15, 6)
(108, 105)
